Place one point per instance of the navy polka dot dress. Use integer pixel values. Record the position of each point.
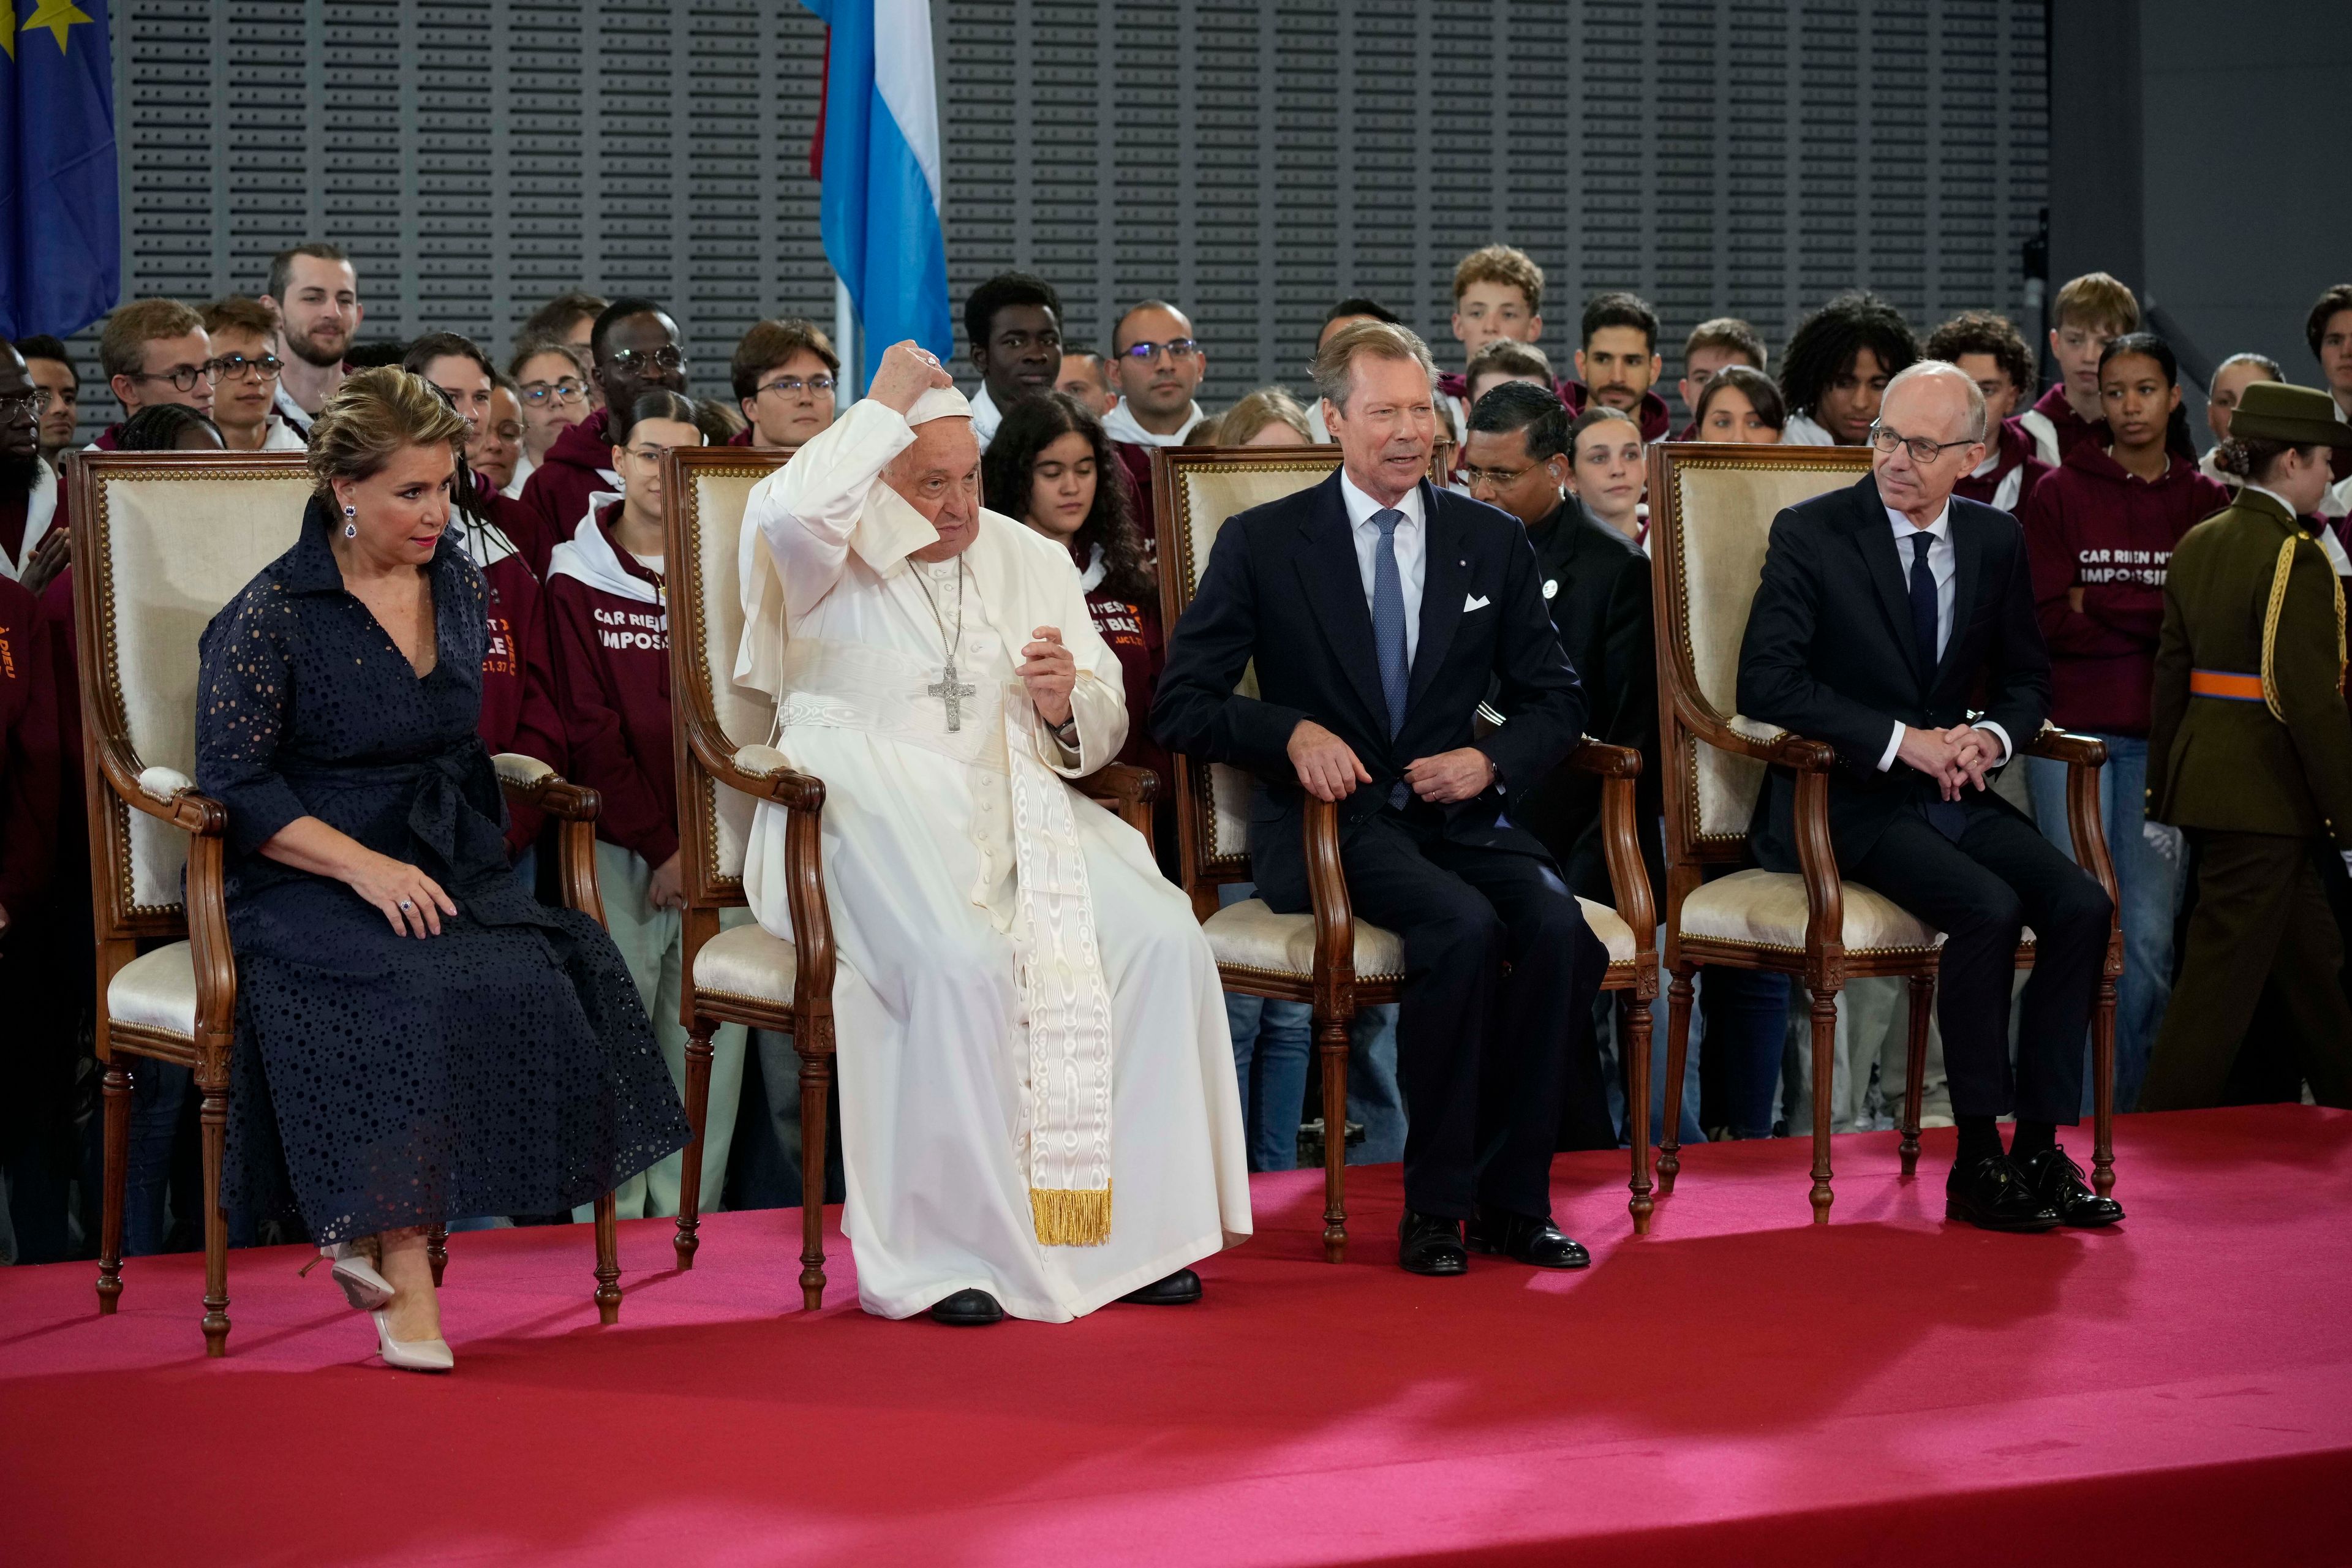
(379, 1081)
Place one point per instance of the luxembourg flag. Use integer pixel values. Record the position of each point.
(878, 153)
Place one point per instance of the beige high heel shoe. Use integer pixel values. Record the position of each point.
(354, 1273)
(411, 1355)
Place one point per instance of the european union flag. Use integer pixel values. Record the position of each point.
(60, 238)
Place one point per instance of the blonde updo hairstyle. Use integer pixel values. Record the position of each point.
(373, 417)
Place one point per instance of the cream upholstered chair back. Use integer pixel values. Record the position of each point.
(705, 610)
(161, 542)
(1712, 507)
(1199, 489)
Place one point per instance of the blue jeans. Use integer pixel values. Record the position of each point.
(159, 1095)
(2148, 897)
(1274, 1042)
(1615, 1077)
(1745, 1025)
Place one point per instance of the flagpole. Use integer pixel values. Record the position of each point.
(845, 340)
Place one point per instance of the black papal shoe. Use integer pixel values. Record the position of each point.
(1993, 1193)
(1428, 1245)
(968, 1310)
(1537, 1243)
(1180, 1289)
(2058, 1182)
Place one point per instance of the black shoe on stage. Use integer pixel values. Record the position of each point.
(968, 1310)
(2058, 1182)
(1428, 1245)
(1993, 1193)
(1537, 1243)
(1180, 1289)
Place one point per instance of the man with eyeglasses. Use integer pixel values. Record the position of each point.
(1885, 610)
(1014, 325)
(59, 384)
(315, 290)
(634, 348)
(785, 377)
(568, 319)
(1158, 363)
(155, 351)
(245, 376)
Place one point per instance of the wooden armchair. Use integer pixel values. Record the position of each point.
(1711, 509)
(1328, 958)
(734, 972)
(160, 542)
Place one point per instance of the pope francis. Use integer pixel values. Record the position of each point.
(1039, 1112)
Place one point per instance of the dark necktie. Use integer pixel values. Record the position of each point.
(1945, 816)
(1388, 628)
(1923, 605)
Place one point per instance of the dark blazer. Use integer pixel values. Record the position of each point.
(1283, 589)
(1596, 584)
(1829, 655)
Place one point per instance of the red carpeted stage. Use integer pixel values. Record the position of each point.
(1739, 1384)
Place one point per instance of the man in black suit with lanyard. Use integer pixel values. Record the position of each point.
(1378, 609)
(1884, 610)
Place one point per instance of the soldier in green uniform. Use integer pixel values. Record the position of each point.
(2250, 752)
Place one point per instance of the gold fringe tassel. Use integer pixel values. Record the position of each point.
(1068, 1217)
(2279, 579)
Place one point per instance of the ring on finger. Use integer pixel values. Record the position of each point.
(407, 906)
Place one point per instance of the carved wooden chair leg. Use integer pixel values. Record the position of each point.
(2102, 1088)
(1637, 1107)
(1670, 1121)
(116, 1091)
(817, 1084)
(1331, 1044)
(608, 1259)
(697, 1109)
(436, 1251)
(1824, 1085)
(1923, 1003)
(213, 1122)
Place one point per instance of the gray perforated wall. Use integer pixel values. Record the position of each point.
(1252, 158)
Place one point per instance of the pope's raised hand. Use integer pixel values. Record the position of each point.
(1049, 670)
(907, 370)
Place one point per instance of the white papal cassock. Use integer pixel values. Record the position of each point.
(1027, 1013)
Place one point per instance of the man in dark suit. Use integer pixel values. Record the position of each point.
(1378, 610)
(1596, 587)
(1883, 611)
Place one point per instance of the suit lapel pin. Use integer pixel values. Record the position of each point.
(1551, 586)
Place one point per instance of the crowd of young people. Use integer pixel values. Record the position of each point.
(560, 508)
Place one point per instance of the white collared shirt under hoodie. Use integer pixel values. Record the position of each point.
(961, 875)
(588, 555)
(523, 466)
(1411, 551)
(985, 418)
(1120, 425)
(1944, 565)
(41, 510)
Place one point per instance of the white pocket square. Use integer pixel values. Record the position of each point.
(1475, 602)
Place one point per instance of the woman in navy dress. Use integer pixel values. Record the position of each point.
(417, 1038)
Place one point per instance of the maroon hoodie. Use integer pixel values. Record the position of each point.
(1135, 462)
(31, 780)
(608, 620)
(2071, 427)
(555, 497)
(517, 681)
(2093, 525)
(1656, 420)
(2014, 451)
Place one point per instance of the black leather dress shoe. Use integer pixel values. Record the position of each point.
(1993, 1193)
(1537, 1243)
(1180, 1289)
(2058, 1182)
(968, 1310)
(1428, 1245)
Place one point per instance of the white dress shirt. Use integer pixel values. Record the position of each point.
(1412, 551)
(1944, 565)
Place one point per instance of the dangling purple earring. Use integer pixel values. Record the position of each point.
(351, 530)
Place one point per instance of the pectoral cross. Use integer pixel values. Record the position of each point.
(946, 690)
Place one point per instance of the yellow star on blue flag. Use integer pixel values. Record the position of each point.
(60, 227)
